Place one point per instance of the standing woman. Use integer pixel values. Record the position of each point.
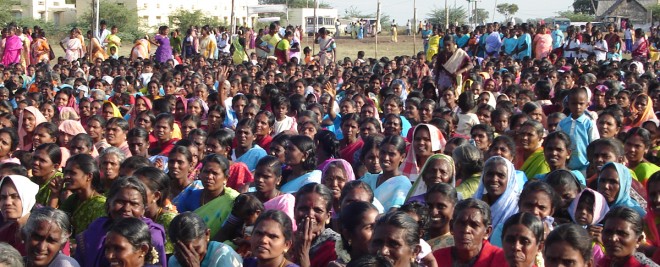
(351, 143)
(207, 44)
(640, 49)
(391, 187)
(97, 50)
(271, 239)
(46, 161)
(427, 140)
(86, 204)
(314, 244)
(27, 123)
(40, 49)
(523, 236)
(636, 144)
(452, 62)
(622, 235)
(12, 47)
(18, 199)
(300, 158)
(162, 41)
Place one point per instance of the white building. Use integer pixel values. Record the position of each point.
(305, 17)
(155, 13)
(56, 11)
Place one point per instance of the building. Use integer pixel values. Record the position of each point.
(56, 11)
(155, 13)
(305, 17)
(635, 10)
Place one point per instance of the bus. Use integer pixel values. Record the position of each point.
(327, 22)
(562, 22)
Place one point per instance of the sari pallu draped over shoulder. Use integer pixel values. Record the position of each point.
(506, 204)
(645, 115)
(420, 187)
(410, 166)
(12, 52)
(623, 198)
(39, 118)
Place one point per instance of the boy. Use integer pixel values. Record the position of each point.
(579, 126)
(281, 106)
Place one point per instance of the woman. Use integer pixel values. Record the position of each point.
(390, 187)
(267, 176)
(163, 130)
(247, 151)
(83, 178)
(622, 234)
(568, 242)
(427, 140)
(264, 121)
(500, 188)
(609, 124)
(8, 144)
(357, 220)
(452, 62)
(126, 201)
(351, 143)
(300, 158)
(40, 50)
(220, 143)
(142, 103)
(95, 128)
(214, 202)
(556, 152)
(207, 44)
(50, 226)
(109, 162)
(532, 160)
(335, 175)
(15, 210)
(180, 165)
(162, 41)
(271, 239)
(523, 236)
(97, 50)
(191, 236)
(640, 49)
(72, 45)
(642, 110)
(614, 184)
(542, 43)
(46, 161)
(471, 243)
(396, 231)
(129, 243)
(469, 164)
(439, 168)
(158, 208)
(12, 47)
(314, 245)
(441, 199)
(27, 123)
(636, 143)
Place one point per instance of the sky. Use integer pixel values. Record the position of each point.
(402, 10)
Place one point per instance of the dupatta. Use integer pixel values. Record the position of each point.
(39, 118)
(410, 166)
(600, 206)
(646, 115)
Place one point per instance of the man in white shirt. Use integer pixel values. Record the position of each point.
(103, 32)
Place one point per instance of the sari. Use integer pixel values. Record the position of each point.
(40, 51)
(97, 50)
(433, 47)
(83, 214)
(447, 76)
(323, 248)
(250, 157)
(284, 203)
(12, 53)
(239, 175)
(542, 45)
(44, 190)
(637, 259)
(217, 255)
(348, 153)
(207, 47)
(73, 49)
(506, 204)
(115, 110)
(240, 55)
(420, 187)
(645, 115)
(535, 164)
(410, 166)
(644, 171)
(640, 49)
(134, 113)
(264, 142)
(292, 186)
(623, 198)
(443, 241)
(26, 145)
(489, 256)
(215, 212)
(164, 49)
(391, 193)
(164, 219)
(185, 194)
(9, 233)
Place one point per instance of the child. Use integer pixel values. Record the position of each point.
(588, 209)
(580, 127)
(466, 117)
(113, 52)
(281, 106)
(147, 72)
(586, 47)
(420, 213)
(247, 208)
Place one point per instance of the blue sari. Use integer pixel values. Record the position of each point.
(391, 193)
(251, 157)
(217, 255)
(295, 184)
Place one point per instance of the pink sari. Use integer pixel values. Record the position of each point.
(543, 45)
(12, 53)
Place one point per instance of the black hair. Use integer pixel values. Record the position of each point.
(563, 177)
(156, 180)
(136, 232)
(614, 143)
(444, 189)
(489, 130)
(533, 223)
(562, 136)
(13, 137)
(540, 186)
(224, 137)
(351, 216)
(573, 234)
(50, 127)
(281, 218)
(13, 168)
(473, 203)
(422, 211)
(53, 151)
(352, 185)
(138, 132)
(369, 260)
(120, 122)
(269, 115)
(307, 147)
(169, 118)
(644, 134)
(370, 143)
(397, 141)
(319, 189)
(466, 101)
(271, 162)
(327, 141)
(88, 165)
(125, 182)
(250, 123)
(403, 221)
(220, 160)
(186, 227)
(134, 163)
(629, 215)
(181, 149)
(247, 204)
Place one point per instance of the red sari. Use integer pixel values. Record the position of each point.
(348, 153)
(488, 256)
(239, 175)
(265, 142)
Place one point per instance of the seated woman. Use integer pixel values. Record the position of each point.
(483, 136)
(46, 161)
(557, 150)
(163, 130)
(49, 224)
(368, 157)
(193, 248)
(127, 198)
(336, 174)
(158, 208)
(636, 144)
(588, 209)
(247, 150)
(568, 242)
(441, 199)
(390, 187)
(532, 160)
(351, 143)
(642, 111)
(220, 143)
(522, 229)
(129, 242)
(27, 123)
(300, 158)
(427, 140)
(18, 199)
(505, 147)
(614, 184)
(356, 220)
(396, 231)
(83, 178)
(469, 164)
(264, 122)
(10, 137)
(622, 234)
(472, 246)
(271, 225)
(439, 168)
(180, 166)
(314, 245)
(651, 219)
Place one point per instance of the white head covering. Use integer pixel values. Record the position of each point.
(27, 191)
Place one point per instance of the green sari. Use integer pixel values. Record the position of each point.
(44, 190)
(82, 214)
(164, 219)
(535, 164)
(215, 212)
(644, 171)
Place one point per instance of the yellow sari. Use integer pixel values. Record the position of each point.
(535, 164)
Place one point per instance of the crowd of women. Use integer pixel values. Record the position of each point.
(445, 158)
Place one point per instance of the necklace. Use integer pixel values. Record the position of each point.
(283, 262)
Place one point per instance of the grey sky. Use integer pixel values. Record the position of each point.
(402, 10)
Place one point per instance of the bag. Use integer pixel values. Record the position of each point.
(51, 54)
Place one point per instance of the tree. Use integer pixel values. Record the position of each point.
(7, 17)
(457, 16)
(295, 3)
(183, 19)
(354, 12)
(508, 10)
(126, 19)
(479, 16)
(585, 6)
(655, 10)
(576, 17)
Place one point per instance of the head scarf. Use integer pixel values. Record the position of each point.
(134, 112)
(68, 113)
(600, 206)
(492, 100)
(183, 101)
(348, 169)
(420, 187)
(507, 204)
(410, 165)
(623, 198)
(115, 110)
(39, 118)
(27, 191)
(201, 102)
(646, 115)
(72, 127)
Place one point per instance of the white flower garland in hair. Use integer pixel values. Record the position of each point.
(342, 253)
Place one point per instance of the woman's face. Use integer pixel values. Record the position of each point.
(481, 139)
(367, 112)
(293, 156)
(495, 179)
(95, 129)
(500, 149)
(560, 253)
(391, 107)
(120, 252)
(10, 202)
(469, 230)
(199, 245)
(140, 105)
(109, 167)
(42, 136)
(187, 127)
(127, 203)
(536, 114)
(265, 179)
(5, 145)
(528, 137)
(42, 166)
(607, 126)
(64, 139)
(484, 116)
(195, 108)
(489, 86)
(75, 178)
(43, 243)
(108, 112)
(609, 184)
(213, 177)
(48, 112)
(389, 241)
(640, 103)
(278, 151)
(180, 109)
(520, 246)
(556, 153)
(214, 120)
(367, 129)
(619, 238)
(635, 148)
(372, 161)
(29, 121)
(263, 128)
(179, 166)
(61, 100)
(350, 129)
(335, 179)
(422, 142)
(390, 158)
(362, 233)
(163, 130)
(537, 203)
(437, 171)
(268, 241)
(311, 207)
(144, 121)
(441, 209)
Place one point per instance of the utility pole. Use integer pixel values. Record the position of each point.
(412, 27)
(446, 16)
(95, 27)
(494, 8)
(316, 25)
(376, 28)
(233, 26)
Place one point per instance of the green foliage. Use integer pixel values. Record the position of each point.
(655, 10)
(115, 14)
(457, 16)
(353, 12)
(576, 17)
(480, 14)
(182, 19)
(585, 6)
(295, 3)
(508, 10)
(7, 17)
